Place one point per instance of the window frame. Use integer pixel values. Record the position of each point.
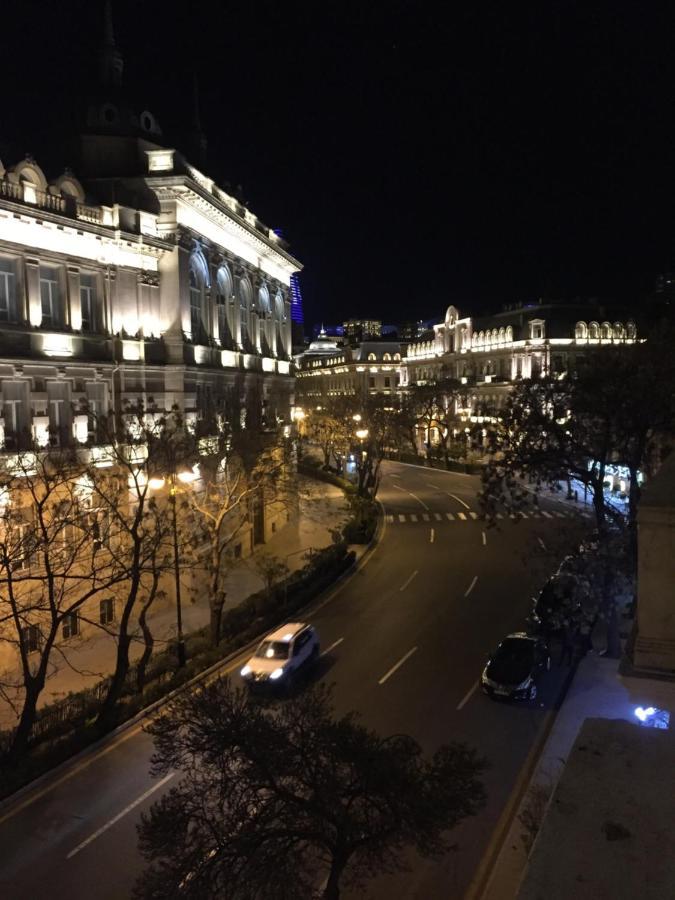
(106, 611)
(70, 626)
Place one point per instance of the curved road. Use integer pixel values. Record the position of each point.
(407, 637)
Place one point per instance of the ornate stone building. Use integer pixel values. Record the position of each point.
(136, 278)
(489, 354)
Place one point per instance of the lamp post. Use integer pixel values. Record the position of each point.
(157, 483)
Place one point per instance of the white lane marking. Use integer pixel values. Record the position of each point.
(411, 494)
(120, 815)
(413, 517)
(397, 666)
(391, 475)
(462, 516)
(431, 536)
(473, 515)
(407, 581)
(450, 517)
(390, 519)
(500, 516)
(401, 518)
(438, 517)
(484, 538)
(332, 646)
(524, 515)
(458, 499)
(560, 515)
(436, 486)
(469, 694)
(547, 514)
(542, 544)
(425, 516)
(471, 586)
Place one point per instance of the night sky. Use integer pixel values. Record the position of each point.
(414, 154)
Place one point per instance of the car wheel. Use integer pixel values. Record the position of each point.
(533, 693)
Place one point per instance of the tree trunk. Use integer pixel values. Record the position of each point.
(216, 617)
(332, 888)
(148, 639)
(117, 681)
(21, 737)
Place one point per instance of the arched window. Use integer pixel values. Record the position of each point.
(631, 331)
(619, 331)
(509, 333)
(474, 339)
(606, 331)
(593, 331)
(501, 335)
(199, 281)
(580, 331)
(245, 315)
(225, 308)
(386, 357)
(280, 315)
(397, 357)
(265, 323)
(495, 335)
(371, 357)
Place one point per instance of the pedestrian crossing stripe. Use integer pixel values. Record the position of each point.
(464, 517)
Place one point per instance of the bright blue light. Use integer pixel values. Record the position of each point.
(651, 717)
(644, 714)
(297, 314)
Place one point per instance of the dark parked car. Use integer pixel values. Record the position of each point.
(512, 670)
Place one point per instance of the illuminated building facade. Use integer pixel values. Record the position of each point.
(139, 278)
(489, 354)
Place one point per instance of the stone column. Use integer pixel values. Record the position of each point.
(73, 307)
(33, 291)
(655, 644)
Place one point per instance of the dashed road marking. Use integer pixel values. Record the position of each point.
(484, 538)
(407, 581)
(120, 815)
(397, 666)
(461, 516)
(431, 536)
(469, 694)
(413, 517)
(458, 499)
(450, 517)
(332, 646)
(547, 514)
(401, 518)
(471, 586)
(425, 516)
(473, 515)
(438, 517)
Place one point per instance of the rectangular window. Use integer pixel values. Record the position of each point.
(7, 291)
(30, 635)
(71, 625)
(371, 382)
(387, 382)
(16, 412)
(88, 302)
(60, 413)
(50, 297)
(107, 611)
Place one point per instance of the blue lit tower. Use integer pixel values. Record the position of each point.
(297, 315)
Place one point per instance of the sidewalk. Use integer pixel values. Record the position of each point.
(321, 508)
(597, 690)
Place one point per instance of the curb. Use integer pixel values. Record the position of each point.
(314, 605)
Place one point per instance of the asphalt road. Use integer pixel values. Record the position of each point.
(407, 637)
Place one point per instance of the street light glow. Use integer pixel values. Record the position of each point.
(362, 434)
(156, 484)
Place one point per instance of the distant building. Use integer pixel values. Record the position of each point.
(357, 330)
(489, 354)
(372, 367)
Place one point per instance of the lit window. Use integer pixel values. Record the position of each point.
(50, 297)
(88, 302)
(7, 291)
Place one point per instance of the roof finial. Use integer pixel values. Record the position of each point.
(112, 63)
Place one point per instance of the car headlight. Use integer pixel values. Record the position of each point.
(277, 673)
(525, 684)
(245, 671)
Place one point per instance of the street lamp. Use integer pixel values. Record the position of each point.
(157, 483)
(362, 433)
(357, 417)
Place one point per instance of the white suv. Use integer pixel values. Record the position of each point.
(281, 654)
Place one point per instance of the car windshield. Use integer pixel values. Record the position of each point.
(514, 650)
(273, 650)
